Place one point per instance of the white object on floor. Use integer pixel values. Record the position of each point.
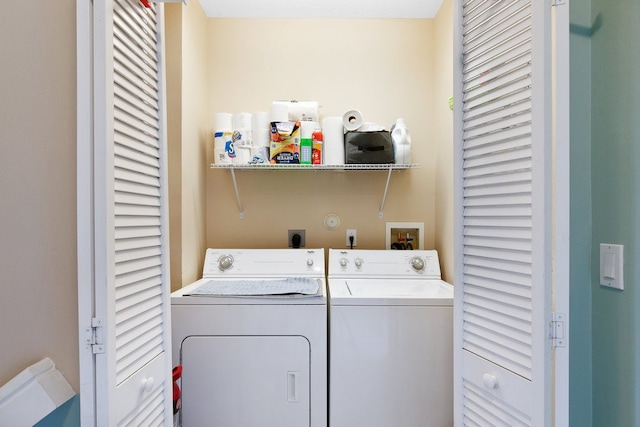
(33, 394)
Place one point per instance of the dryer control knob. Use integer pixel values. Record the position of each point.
(343, 262)
(417, 263)
(310, 262)
(358, 262)
(225, 262)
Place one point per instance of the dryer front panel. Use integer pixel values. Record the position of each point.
(245, 381)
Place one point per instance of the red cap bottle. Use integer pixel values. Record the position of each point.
(316, 143)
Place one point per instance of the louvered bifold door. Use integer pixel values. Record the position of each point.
(502, 244)
(134, 370)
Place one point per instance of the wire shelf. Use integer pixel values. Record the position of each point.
(349, 167)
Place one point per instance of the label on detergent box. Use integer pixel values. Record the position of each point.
(285, 142)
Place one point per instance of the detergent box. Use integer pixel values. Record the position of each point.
(285, 143)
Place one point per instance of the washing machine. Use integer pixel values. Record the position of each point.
(391, 339)
(251, 337)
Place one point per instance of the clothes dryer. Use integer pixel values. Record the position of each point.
(251, 337)
(391, 339)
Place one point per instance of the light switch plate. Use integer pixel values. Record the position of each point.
(612, 266)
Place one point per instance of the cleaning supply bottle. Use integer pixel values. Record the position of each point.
(401, 142)
(306, 145)
(305, 151)
(316, 141)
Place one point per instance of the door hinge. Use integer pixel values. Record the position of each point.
(94, 335)
(557, 330)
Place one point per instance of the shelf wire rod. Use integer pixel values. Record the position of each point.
(235, 187)
(384, 195)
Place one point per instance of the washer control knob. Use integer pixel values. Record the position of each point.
(310, 262)
(417, 263)
(358, 262)
(225, 262)
(343, 262)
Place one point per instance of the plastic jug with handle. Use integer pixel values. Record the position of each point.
(401, 142)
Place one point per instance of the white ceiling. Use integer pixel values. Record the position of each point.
(321, 8)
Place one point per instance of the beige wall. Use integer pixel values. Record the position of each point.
(188, 80)
(385, 68)
(196, 75)
(443, 134)
(173, 62)
(38, 305)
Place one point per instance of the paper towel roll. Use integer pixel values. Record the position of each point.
(298, 111)
(352, 120)
(260, 120)
(243, 137)
(261, 137)
(307, 128)
(301, 111)
(279, 112)
(223, 121)
(242, 121)
(333, 131)
(243, 155)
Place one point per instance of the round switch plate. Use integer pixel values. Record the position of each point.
(331, 221)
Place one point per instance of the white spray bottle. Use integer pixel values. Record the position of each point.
(401, 142)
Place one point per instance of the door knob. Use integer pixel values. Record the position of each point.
(490, 381)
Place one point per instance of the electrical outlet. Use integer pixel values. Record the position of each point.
(351, 232)
(290, 235)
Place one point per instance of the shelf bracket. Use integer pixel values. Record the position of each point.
(341, 167)
(384, 195)
(235, 187)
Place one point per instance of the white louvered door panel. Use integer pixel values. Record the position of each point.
(133, 375)
(502, 207)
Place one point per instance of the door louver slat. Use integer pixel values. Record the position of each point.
(489, 413)
(152, 415)
(501, 280)
(484, 317)
(122, 142)
(510, 87)
(137, 195)
(497, 205)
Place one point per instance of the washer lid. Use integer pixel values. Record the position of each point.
(390, 292)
